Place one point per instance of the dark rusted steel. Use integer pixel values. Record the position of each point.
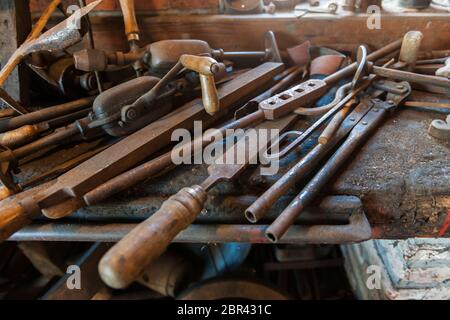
(130, 150)
(142, 246)
(357, 230)
(357, 136)
(260, 207)
(45, 114)
(20, 136)
(154, 166)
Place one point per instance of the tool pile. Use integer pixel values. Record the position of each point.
(128, 105)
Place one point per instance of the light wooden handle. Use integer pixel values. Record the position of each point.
(129, 17)
(206, 67)
(20, 136)
(12, 219)
(126, 260)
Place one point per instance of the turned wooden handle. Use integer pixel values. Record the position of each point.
(17, 137)
(129, 17)
(126, 260)
(12, 219)
(206, 68)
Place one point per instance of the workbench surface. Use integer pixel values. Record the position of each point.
(401, 175)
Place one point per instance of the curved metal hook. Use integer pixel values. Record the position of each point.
(361, 59)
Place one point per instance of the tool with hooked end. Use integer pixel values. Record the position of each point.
(377, 112)
(124, 262)
(72, 185)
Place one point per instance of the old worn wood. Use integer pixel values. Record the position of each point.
(334, 31)
(129, 17)
(15, 22)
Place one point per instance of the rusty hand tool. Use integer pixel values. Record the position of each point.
(109, 106)
(20, 136)
(44, 114)
(260, 207)
(59, 37)
(163, 55)
(155, 166)
(64, 167)
(124, 262)
(357, 136)
(127, 153)
(444, 71)
(91, 42)
(17, 57)
(366, 67)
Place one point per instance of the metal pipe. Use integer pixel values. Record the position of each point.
(154, 166)
(45, 114)
(350, 69)
(411, 77)
(358, 229)
(360, 133)
(37, 145)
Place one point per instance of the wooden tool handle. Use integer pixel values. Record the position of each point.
(335, 123)
(12, 219)
(17, 137)
(129, 17)
(126, 260)
(206, 67)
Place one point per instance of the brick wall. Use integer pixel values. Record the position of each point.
(146, 5)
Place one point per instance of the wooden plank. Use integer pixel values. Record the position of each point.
(15, 25)
(245, 32)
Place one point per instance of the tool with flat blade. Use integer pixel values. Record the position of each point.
(124, 262)
(61, 36)
(129, 151)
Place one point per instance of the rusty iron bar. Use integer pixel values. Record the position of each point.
(123, 263)
(128, 152)
(411, 77)
(357, 136)
(154, 166)
(357, 230)
(257, 210)
(45, 114)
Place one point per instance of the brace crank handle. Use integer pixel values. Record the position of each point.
(206, 68)
(129, 17)
(126, 260)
